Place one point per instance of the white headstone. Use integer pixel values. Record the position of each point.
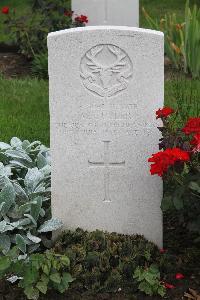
(108, 12)
(105, 85)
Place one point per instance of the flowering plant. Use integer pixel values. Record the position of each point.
(5, 10)
(178, 163)
(30, 32)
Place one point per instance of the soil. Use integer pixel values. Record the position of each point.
(14, 65)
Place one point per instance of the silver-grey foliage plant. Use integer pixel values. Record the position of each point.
(25, 190)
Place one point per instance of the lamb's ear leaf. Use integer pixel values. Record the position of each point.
(20, 241)
(16, 142)
(7, 195)
(4, 146)
(50, 225)
(36, 207)
(5, 243)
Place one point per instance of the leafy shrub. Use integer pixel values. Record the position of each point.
(40, 65)
(149, 280)
(38, 273)
(105, 262)
(25, 187)
(179, 165)
(182, 41)
(30, 32)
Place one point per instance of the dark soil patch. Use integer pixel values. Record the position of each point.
(14, 65)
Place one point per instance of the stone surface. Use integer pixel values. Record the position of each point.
(105, 85)
(109, 12)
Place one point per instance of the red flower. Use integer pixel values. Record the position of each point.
(192, 126)
(168, 285)
(68, 13)
(5, 10)
(164, 159)
(196, 142)
(180, 276)
(164, 113)
(162, 251)
(81, 19)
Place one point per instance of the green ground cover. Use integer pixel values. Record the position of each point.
(24, 107)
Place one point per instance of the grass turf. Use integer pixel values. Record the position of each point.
(24, 110)
(24, 107)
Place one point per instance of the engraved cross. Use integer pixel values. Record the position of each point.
(107, 165)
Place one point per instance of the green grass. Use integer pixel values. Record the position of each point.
(24, 106)
(184, 96)
(158, 8)
(24, 110)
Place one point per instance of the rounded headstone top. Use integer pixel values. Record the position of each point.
(105, 28)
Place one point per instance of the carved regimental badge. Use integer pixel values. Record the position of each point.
(106, 70)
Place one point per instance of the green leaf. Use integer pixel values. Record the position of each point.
(20, 192)
(32, 293)
(55, 278)
(42, 287)
(45, 279)
(194, 186)
(146, 288)
(30, 275)
(33, 238)
(2, 226)
(32, 179)
(41, 161)
(37, 260)
(5, 263)
(21, 243)
(46, 269)
(5, 171)
(65, 261)
(178, 203)
(167, 203)
(31, 219)
(36, 207)
(50, 225)
(161, 291)
(67, 278)
(5, 243)
(16, 142)
(178, 197)
(18, 154)
(7, 195)
(4, 146)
